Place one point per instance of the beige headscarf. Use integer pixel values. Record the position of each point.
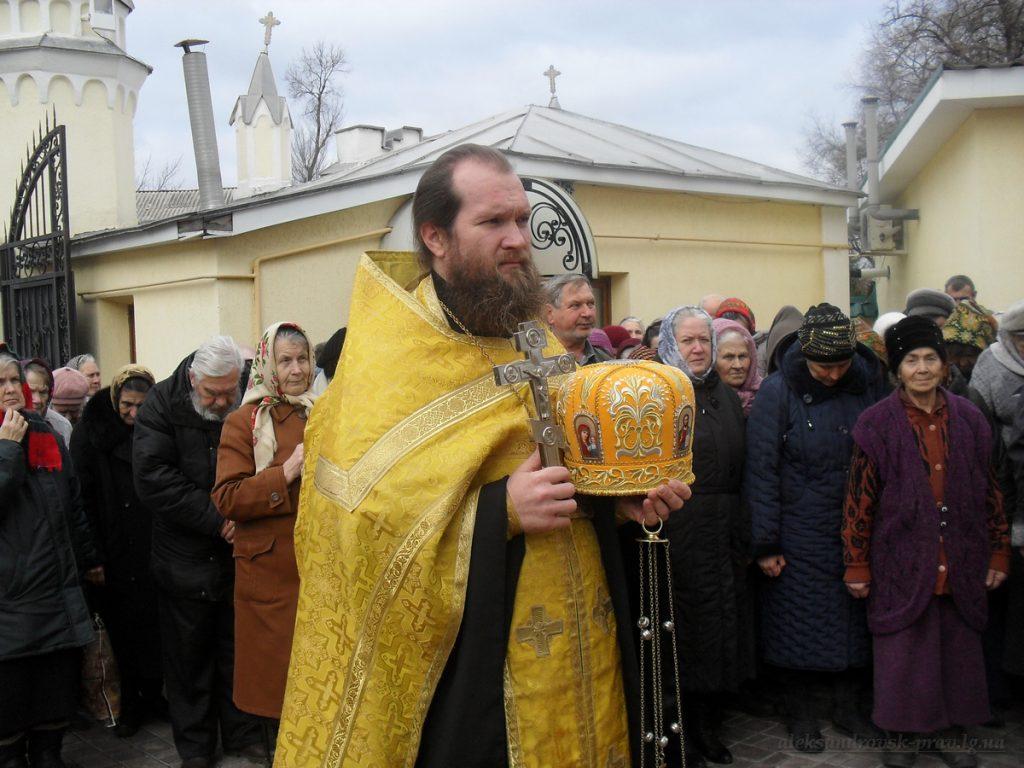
(265, 390)
(130, 371)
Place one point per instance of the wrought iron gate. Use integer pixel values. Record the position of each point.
(36, 283)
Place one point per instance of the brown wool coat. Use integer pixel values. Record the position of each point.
(266, 579)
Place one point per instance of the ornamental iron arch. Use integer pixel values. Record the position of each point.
(36, 282)
(559, 233)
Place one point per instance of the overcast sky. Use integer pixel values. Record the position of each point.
(741, 77)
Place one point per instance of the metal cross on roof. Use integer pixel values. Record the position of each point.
(551, 73)
(269, 22)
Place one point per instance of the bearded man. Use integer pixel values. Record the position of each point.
(174, 465)
(459, 605)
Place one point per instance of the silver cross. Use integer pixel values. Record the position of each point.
(269, 22)
(530, 339)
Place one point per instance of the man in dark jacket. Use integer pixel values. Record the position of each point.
(177, 433)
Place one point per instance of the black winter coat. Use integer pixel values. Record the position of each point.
(174, 462)
(101, 447)
(710, 548)
(45, 547)
(799, 447)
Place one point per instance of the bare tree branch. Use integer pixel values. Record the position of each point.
(908, 44)
(312, 83)
(164, 177)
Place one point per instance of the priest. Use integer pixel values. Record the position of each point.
(460, 605)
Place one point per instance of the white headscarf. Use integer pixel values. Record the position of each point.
(668, 348)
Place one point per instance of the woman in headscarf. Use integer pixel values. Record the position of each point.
(101, 447)
(999, 372)
(923, 547)
(710, 543)
(737, 360)
(813, 633)
(259, 469)
(45, 549)
(781, 334)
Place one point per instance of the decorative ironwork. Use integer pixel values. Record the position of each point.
(36, 281)
(558, 230)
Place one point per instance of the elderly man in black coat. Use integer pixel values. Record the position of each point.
(174, 454)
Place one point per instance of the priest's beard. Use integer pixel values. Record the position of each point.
(489, 303)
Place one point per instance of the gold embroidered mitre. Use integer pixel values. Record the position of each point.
(397, 450)
(629, 427)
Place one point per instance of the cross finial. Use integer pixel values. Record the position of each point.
(551, 73)
(269, 22)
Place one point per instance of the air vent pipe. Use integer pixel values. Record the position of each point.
(204, 133)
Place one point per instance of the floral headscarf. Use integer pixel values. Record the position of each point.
(970, 325)
(265, 390)
(668, 349)
(749, 388)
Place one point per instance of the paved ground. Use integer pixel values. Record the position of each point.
(754, 742)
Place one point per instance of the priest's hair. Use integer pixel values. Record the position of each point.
(436, 201)
(216, 357)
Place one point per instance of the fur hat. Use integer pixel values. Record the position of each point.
(909, 334)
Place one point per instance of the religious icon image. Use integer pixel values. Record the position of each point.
(684, 429)
(588, 437)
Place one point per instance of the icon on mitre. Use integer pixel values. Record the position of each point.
(630, 425)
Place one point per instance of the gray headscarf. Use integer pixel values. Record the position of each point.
(668, 349)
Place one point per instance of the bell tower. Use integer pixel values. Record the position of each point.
(68, 57)
(263, 128)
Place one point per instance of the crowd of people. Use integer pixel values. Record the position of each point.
(842, 556)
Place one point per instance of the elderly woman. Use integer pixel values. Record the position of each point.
(39, 377)
(737, 360)
(923, 547)
(999, 372)
(101, 448)
(259, 466)
(813, 632)
(86, 365)
(45, 547)
(710, 542)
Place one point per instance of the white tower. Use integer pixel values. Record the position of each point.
(69, 56)
(263, 128)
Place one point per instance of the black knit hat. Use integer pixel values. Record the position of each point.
(912, 333)
(827, 335)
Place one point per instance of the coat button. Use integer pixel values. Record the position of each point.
(942, 524)
(942, 569)
(943, 509)
(275, 497)
(808, 399)
(938, 467)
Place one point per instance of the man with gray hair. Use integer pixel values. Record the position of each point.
(174, 458)
(571, 312)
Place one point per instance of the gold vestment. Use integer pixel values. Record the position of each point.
(397, 450)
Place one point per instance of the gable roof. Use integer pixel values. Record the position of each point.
(945, 103)
(540, 141)
(261, 87)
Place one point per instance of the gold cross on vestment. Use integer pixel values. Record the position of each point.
(530, 339)
(539, 631)
(603, 610)
(420, 614)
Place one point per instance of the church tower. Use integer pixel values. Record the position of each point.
(69, 56)
(263, 128)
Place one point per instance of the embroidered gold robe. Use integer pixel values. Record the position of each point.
(397, 451)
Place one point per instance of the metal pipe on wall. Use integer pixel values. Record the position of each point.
(870, 104)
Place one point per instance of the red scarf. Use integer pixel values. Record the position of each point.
(41, 449)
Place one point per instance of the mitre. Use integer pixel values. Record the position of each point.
(628, 427)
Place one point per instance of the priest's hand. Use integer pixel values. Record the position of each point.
(656, 506)
(542, 497)
(994, 579)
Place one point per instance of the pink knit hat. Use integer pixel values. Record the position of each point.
(69, 388)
